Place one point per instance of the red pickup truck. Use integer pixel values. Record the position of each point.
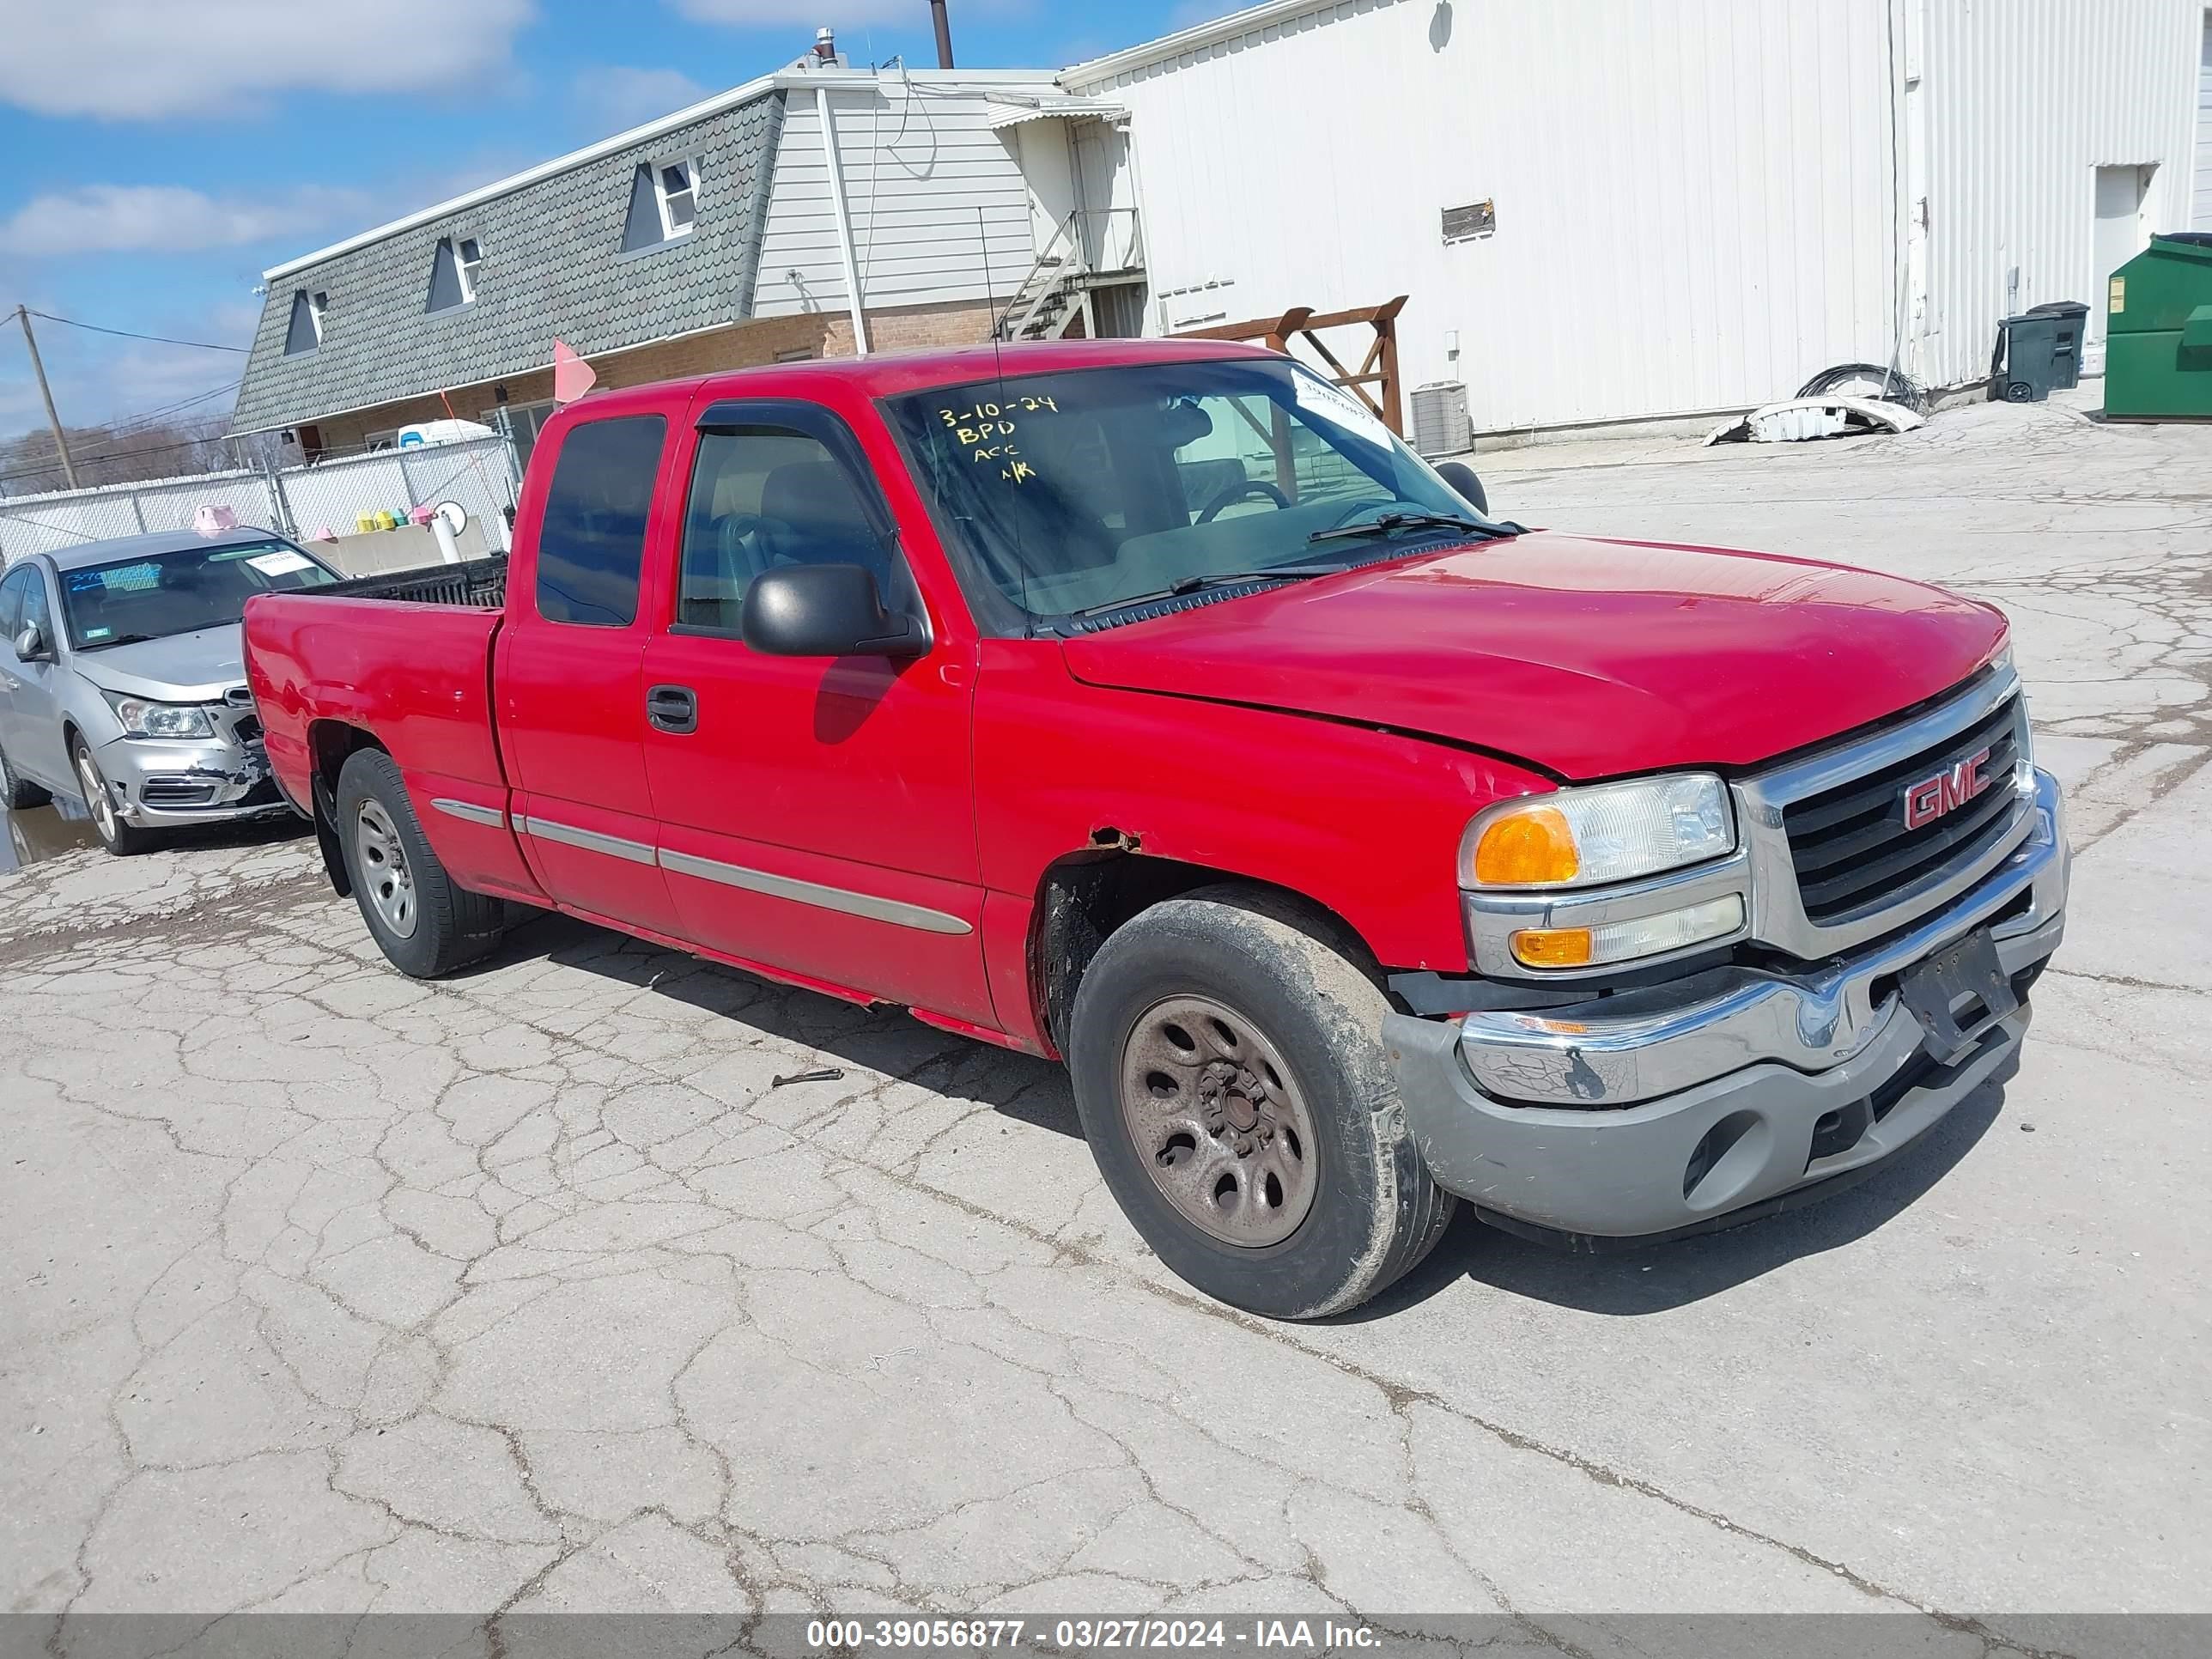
(1149, 706)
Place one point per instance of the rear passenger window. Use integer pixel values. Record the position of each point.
(590, 543)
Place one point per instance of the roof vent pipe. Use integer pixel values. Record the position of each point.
(944, 34)
(825, 45)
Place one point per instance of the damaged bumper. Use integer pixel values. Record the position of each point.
(162, 783)
(1707, 1100)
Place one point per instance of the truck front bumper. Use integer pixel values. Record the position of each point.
(1711, 1100)
(161, 784)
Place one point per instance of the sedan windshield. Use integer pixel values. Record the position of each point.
(182, 591)
(1069, 496)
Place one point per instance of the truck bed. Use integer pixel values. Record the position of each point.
(477, 583)
(405, 656)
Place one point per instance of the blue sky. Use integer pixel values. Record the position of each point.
(156, 155)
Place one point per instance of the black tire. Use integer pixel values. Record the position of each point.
(17, 792)
(450, 926)
(1374, 1211)
(125, 841)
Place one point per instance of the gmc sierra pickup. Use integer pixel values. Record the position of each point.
(1149, 706)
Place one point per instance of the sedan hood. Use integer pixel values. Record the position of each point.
(197, 667)
(1590, 657)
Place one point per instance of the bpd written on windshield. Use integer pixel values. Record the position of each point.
(987, 432)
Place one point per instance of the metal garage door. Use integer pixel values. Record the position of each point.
(2202, 218)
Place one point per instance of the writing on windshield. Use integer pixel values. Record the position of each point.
(987, 430)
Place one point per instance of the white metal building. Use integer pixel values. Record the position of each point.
(1606, 209)
(2202, 218)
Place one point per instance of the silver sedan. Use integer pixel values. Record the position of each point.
(122, 678)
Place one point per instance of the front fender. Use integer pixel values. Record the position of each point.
(1364, 823)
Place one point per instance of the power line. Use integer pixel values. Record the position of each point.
(154, 417)
(127, 453)
(128, 334)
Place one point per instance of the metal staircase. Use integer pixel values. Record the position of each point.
(1050, 297)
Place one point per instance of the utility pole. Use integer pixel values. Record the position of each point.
(69, 468)
(944, 34)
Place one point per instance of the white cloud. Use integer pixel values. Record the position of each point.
(167, 218)
(122, 60)
(619, 97)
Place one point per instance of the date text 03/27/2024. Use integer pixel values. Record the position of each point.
(836, 1636)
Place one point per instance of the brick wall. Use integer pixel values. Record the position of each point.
(742, 346)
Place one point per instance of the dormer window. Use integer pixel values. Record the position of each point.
(305, 331)
(664, 203)
(678, 204)
(453, 273)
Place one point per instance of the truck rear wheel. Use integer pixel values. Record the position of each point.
(426, 924)
(1229, 1071)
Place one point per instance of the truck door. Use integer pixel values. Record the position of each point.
(816, 814)
(568, 676)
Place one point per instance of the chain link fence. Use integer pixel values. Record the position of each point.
(329, 497)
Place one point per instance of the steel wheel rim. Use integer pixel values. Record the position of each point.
(96, 798)
(384, 876)
(1219, 1122)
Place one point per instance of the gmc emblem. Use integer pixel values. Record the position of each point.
(1931, 798)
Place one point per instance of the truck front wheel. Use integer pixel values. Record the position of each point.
(425, 924)
(1230, 1073)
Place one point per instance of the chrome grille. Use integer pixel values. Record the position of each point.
(1850, 847)
(1833, 865)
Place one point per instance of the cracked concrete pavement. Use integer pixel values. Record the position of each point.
(332, 1292)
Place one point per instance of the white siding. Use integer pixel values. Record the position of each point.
(2201, 217)
(920, 164)
(1693, 196)
(2026, 101)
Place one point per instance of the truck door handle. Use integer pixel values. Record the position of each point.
(672, 708)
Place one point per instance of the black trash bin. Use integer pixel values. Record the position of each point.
(2038, 352)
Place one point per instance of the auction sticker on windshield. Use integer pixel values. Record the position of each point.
(1318, 397)
(279, 564)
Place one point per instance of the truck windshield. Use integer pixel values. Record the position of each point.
(157, 594)
(1071, 493)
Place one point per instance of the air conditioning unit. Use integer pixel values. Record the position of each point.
(1441, 426)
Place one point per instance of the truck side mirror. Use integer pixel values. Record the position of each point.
(825, 610)
(30, 645)
(1468, 488)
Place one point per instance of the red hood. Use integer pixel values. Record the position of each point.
(1589, 657)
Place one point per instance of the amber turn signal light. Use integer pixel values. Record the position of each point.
(1530, 847)
(1553, 947)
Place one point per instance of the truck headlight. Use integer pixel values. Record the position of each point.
(1605, 832)
(142, 719)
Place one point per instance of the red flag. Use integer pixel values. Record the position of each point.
(571, 375)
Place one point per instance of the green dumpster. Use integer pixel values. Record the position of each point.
(2158, 338)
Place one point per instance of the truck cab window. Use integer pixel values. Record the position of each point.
(590, 542)
(763, 497)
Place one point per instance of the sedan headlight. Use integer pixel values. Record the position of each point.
(142, 719)
(1604, 833)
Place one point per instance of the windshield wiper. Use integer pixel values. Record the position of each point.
(120, 639)
(1390, 523)
(1189, 584)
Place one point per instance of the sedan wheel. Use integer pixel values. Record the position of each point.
(117, 837)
